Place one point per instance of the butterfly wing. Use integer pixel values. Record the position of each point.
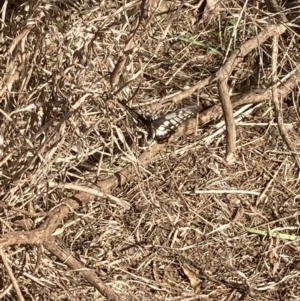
(164, 126)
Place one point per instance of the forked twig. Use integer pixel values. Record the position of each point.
(66, 256)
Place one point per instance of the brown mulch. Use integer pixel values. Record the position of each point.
(92, 210)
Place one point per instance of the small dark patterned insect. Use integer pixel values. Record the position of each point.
(163, 127)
